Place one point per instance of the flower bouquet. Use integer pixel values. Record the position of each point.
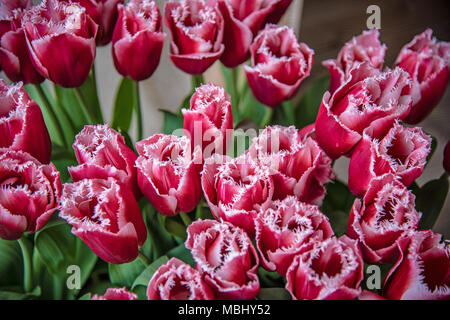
(237, 197)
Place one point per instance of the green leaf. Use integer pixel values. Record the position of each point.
(144, 278)
(89, 91)
(308, 106)
(160, 240)
(124, 104)
(58, 249)
(128, 140)
(174, 226)
(337, 205)
(273, 294)
(67, 99)
(182, 253)
(231, 77)
(125, 274)
(430, 199)
(17, 295)
(11, 263)
(269, 279)
(172, 121)
(62, 165)
(434, 144)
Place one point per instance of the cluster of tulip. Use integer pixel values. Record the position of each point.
(265, 219)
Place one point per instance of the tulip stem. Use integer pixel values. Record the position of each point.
(288, 111)
(186, 219)
(234, 92)
(94, 80)
(143, 258)
(138, 110)
(197, 81)
(87, 112)
(51, 113)
(27, 269)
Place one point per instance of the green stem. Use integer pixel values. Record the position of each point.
(288, 112)
(197, 81)
(87, 112)
(186, 220)
(235, 94)
(27, 266)
(268, 116)
(138, 110)
(143, 258)
(52, 114)
(94, 80)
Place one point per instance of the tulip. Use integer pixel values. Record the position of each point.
(209, 118)
(61, 40)
(298, 166)
(227, 258)
(369, 102)
(101, 153)
(15, 59)
(428, 63)
(331, 270)
(236, 189)
(403, 152)
(104, 13)
(285, 229)
(197, 30)
(106, 216)
(421, 271)
(168, 173)
(279, 65)
(364, 48)
(116, 294)
(446, 161)
(29, 193)
(177, 280)
(22, 125)
(138, 39)
(243, 20)
(384, 216)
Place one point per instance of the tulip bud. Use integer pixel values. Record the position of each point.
(106, 216)
(15, 59)
(226, 256)
(403, 152)
(168, 173)
(428, 63)
(101, 153)
(279, 65)
(177, 280)
(209, 120)
(104, 13)
(116, 294)
(22, 125)
(385, 215)
(331, 270)
(243, 20)
(364, 48)
(61, 39)
(368, 102)
(197, 30)
(421, 271)
(29, 193)
(138, 39)
(285, 229)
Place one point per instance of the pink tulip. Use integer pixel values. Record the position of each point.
(177, 280)
(29, 193)
(279, 65)
(22, 125)
(428, 63)
(385, 215)
(106, 216)
(138, 39)
(116, 294)
(225, 255)
(403, 152)
(197, 29)
(285, 229)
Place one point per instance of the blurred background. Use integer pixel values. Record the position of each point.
(325, 26)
